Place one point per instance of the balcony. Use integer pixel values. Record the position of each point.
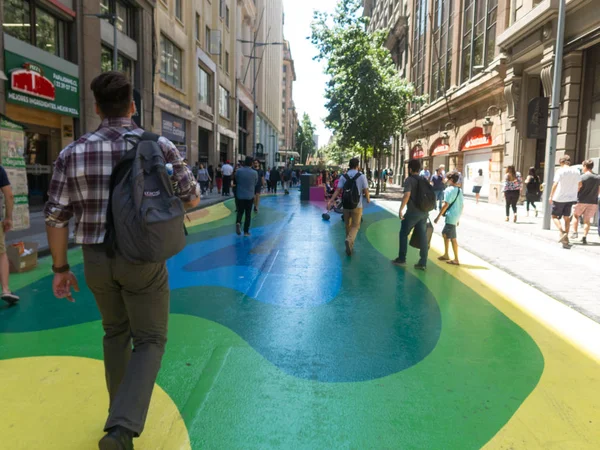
(528, 17)
(398, 30)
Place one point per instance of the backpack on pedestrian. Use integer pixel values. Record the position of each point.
(145, 220)
(350, 193)
(425, 199)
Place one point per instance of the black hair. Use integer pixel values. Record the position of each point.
(414, 166)
(249, 161)
(354, 163)
(480, 171)
(453, 176)
(113, 93)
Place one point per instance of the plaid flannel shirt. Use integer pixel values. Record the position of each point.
(81, 180)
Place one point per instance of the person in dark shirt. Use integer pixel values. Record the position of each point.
(5, 226)
(259, 184)
(437, 181)
(246, 180)
(275, 178)
(587, 200)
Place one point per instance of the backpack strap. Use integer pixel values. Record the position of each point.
(357, 176)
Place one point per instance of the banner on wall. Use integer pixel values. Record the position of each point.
(12, 151)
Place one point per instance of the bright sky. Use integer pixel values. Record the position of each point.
(309, 88)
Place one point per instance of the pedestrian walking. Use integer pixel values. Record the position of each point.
(563, 196)
(259, 185)
(275, 177)
(437, 181)
(294, 178)
(219, 178)
(512, 191)
(203, 178)
(451, 210)
(133, 298)
(416, 215)
(5, 226)
(227, 170)
(268, 179)
(477, 185)
(211, 176)
(353, 187)
(246, 179)
(587, 200)
(532, 190)
(287, 179)
(425, 173)
(195, 169)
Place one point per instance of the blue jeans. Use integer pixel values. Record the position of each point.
(439, 196)
(418, 221)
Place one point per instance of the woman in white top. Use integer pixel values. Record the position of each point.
(477, 185)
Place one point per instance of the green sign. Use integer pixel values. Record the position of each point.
(39, 86)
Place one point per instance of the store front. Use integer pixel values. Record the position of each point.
(203, 145)
(42, 94)
(224, 146)
(590, 136)
(174, 129)
(476, 150)
(439, 154)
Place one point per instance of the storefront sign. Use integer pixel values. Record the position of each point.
(537, 118)
(441, 149)
(173, 128)
(39, 86)
(417, 152)
(475, 140)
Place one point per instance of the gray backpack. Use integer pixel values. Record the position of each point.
(145, 220)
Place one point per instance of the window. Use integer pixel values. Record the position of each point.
(418, 57)
(223, 102)
(204, 84)
(479, 36)
(198, 27)
(226, 62)
(441, 61)
(284, 68)
(170, 62)
(124, 14)
(36, 26)
(179, 9)
(207, 39)
(227, 16)
(221, 54)
(124, 64)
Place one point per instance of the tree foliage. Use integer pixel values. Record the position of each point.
(367, 101)
(305, 144)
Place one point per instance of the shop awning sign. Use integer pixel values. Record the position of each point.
(173, 128)
(475, 140)
(441, 149)
(417, 152)
(38, 86)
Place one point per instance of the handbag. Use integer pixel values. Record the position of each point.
(414, 238)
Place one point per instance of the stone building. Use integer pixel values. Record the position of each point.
(289, 116)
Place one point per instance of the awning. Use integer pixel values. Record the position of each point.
(417, 152)
(441, 149)
(475, 140)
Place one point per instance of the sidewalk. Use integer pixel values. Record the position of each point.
(37, 230)
(527, 252)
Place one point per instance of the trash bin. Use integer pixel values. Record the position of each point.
(307, 180)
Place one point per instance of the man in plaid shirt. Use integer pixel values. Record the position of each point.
(133, 299)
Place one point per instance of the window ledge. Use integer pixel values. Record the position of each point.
(172, 86)
(177, 19)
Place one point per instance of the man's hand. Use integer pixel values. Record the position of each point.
(400, 215)
(7, 224)
(62, 284)
(437, 219)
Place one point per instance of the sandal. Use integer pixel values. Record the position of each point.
(10, 298)
(443, 258)
(453, 263)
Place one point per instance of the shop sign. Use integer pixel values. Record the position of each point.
(173, 127)
(475, 140)
(537, 118)
(417, 152)
(182, 151)
(39, 86)
(441, 149)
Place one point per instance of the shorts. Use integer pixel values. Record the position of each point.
(476, 189)
(562, 209)
(588, 211)
(257, 189)
(449, 231)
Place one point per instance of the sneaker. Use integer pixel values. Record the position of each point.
(536, 213)
(398, 262)
(574, 235)
(238, 229)
(118, 438)
(247, 233)
(420, 267)
(348, 248)
(584, 240)
(566, 246)
(563, 237)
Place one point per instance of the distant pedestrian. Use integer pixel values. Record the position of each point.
(219, 178)
(195, 170)
(287, 179)
(414, 218)
(437, 181)
(203, 178)
(563, 196)
(512, 191)
(477, 185)
(587, 200)
(532, 190)
(443, 171)
(353, 187)
(425, 173)
(246, 179)
(275, 177)
(211, 175)
(259, 185)
(294, 178)
(268, 179)
(452, 210)
(5, 226)
(227, 173)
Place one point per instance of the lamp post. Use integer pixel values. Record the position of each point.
(113, 17)
(254, 58)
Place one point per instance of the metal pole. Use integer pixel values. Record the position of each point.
(115, 48)
(554, 114)
(254, 98)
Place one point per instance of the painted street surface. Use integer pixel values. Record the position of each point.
(279, 340)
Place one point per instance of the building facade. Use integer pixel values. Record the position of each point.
(289, 115)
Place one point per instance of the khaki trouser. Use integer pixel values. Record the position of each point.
(133, 300)
(352, 219)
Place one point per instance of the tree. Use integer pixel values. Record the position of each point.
(305, 144)
(336, 153)
(367, 101)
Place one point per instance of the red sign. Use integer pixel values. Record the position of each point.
(417, 152)
(475, 139)
(441, 149)
(31, 80)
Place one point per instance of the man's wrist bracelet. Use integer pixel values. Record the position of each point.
(62, 269)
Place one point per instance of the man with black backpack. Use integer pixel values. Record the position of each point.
(353, 186)
(419, 198)
(128, 191)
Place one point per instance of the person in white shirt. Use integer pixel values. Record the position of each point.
(227, 172)
(563, 196)
(477, 185)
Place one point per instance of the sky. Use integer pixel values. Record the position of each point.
(309, 88)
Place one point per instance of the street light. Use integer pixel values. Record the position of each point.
(488, 123)
(113, 17)
(254, 58)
